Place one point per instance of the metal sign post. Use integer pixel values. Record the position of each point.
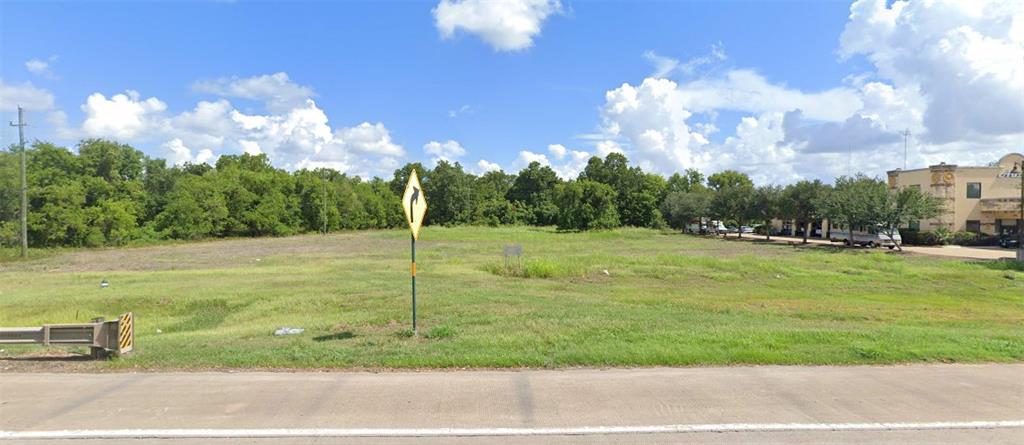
(414, 202)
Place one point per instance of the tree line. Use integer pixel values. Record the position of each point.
(110, 193)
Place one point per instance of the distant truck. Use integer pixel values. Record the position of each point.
(872, 237)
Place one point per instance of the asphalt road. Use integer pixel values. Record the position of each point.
(895, 404)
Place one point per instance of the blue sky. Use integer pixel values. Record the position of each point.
(497, 92)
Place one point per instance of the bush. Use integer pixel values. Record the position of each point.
(538, 268)
(964, 238)
(919, 238)
(942, 237)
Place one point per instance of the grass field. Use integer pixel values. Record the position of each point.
(668, 299)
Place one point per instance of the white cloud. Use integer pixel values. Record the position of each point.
(758, 149)
(179, 154)
(293, 138)
(25, 95)
(663, 66)
(41, 67)
(463, 110)
(856, 133)
(507, 25)
(666, 66)
(447, 150)
(276, 90)
(123, 116)
(605, 148)
(443, 151)
(484, 166)
(557, 150)
(651, 118)
(527, 157)
(963, 59)
(748, 91)
(572, 162)
(949, 72)
(367, 138)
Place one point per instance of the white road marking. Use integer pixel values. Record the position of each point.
(471, 432)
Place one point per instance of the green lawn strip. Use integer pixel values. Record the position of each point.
(629, 297)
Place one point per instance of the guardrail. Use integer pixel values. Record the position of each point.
(102, 337)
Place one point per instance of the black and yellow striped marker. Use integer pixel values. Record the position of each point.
(126, 333)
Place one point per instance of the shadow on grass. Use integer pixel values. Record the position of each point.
(339, 336)
(50, 358)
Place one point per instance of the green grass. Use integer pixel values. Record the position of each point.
(667, 299)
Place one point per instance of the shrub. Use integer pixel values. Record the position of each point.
(943, 236)
(963, 238)
(538, 268)
(919, 238)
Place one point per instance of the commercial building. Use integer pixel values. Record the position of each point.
(984, 199)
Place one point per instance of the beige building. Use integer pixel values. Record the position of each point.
(977, 199)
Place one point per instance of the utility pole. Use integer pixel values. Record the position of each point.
(24, 185)
(906, 134)
(323, 175)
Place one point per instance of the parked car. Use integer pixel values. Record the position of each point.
(746, 229)
(872, 237)
(1009, 242)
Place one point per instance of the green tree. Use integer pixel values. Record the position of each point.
(450, 195)
(383, 208)
(492, 207)
(733, 204)
(766, 206)
(691, 180)
(261, 199)
(805, 201)
(115, 220)
(856, 202)
(10, 231)
(733, 197)
(196, 208)
(729, 178)
(903, 205)
(318, 196)
(638, 194)
(585, 205)
(532, 194)
(401, 177)
(682, 208)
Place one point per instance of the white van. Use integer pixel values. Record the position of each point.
(873, 237)
(708, 226)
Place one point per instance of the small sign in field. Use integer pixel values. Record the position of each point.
(414, 202)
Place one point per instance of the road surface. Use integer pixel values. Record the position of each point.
(769, 404)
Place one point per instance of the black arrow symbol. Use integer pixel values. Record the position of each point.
(413, 200)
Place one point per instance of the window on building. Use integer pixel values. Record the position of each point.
(973, 190)
(974, 226)
(915, 186)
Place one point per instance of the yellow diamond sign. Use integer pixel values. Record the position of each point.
(414, 201)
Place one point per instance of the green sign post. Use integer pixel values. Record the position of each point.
(414, 202)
